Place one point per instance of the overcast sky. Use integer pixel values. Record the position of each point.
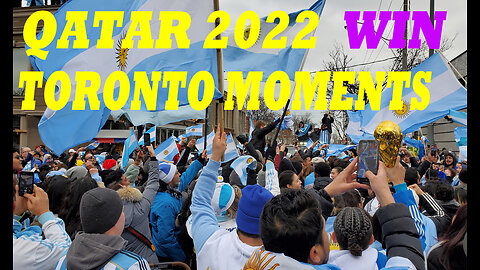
(331, 26)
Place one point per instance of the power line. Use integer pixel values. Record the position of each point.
(362, 64)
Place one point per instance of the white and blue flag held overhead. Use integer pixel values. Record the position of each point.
(230, 153)
(354, 128)
(446, 93)
(65, 128)
(166, 150)
(257, 58)
(196, 130)
(153, 135)
(240, 166)
(459, 117)
(129, 145)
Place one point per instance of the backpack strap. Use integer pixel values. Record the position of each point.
(141, 237)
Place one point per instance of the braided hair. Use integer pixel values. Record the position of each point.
(353, 230)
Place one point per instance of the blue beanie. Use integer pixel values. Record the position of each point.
(250, 206)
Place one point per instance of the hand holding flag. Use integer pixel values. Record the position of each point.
(219, 145)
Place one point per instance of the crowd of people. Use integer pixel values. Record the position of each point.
(298, 210)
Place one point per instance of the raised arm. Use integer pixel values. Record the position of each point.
(204, 222)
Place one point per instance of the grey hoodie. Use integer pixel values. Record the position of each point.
(93, 251)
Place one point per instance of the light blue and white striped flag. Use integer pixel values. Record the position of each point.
(153, 135)
(65, 128)
(129, 145)
(336, 149)
(354, 127)
(461, 140)
(230, 153)
(310, 143)
(167, 150)
(287, 121)
(446, 93)
(201, 143)
(196, 130)
(240, 167)
(256, 58)
(251, 130)
(459, 117)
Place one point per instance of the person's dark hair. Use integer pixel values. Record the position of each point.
(291, 223)
(411, 176)
(339, 169)
(298, 166)
(463, 176)
(70, 210)
(322, 169)
(351, 198)
(460, 195)
(431, 174)
(164, 187)
(259, 124)
(454, 237)
(340, 163)
(353, 230)
(285, 178)
(444, 192)
(56, 187)
(113, 176)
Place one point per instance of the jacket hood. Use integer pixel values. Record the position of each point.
(261, 259)
(93, 251)
(345, 260)
(130, 194)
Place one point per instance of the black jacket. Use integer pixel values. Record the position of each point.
(399, 234)
(327, 121)
(258, 136)
(321, 182)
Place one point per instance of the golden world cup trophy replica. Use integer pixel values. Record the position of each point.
(390, 136)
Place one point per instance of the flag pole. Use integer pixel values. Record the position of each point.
(293, 90)
(216, 6)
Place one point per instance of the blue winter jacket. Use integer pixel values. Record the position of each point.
(163, 213)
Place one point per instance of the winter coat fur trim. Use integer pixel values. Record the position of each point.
(130, 194)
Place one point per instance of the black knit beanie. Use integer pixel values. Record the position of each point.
(100, 209)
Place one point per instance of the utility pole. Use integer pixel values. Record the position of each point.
(404, 52)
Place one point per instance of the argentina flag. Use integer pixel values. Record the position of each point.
(240, 166)
(230, 153)
(65, 128)
(459, 117)
(167, 150)
(354, 127)
(129, 145)
(196, 130)
(153, 135)
(446, 93)
(336, 149)
(257, 58)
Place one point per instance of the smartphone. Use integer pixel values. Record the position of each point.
(25, 182)
(433, 150)
(146, 139)
(368, 157)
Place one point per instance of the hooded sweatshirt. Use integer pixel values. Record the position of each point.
(100, 251)
(345, 260)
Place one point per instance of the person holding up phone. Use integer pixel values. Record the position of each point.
(30, 249)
